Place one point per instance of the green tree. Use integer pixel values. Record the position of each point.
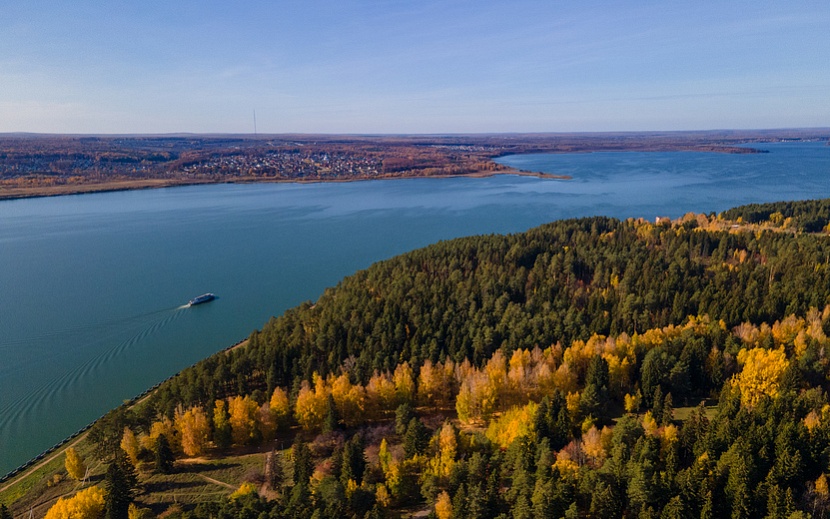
(303, 465)
(119, 483)
(332, 418)
(354, 460)
(416, 438)
(164, 455)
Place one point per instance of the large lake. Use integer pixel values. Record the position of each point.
(92, 286)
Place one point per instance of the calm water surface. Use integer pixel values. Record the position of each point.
(92, 286)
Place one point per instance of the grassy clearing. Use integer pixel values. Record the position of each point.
(47, 479)
(682, 413)
(199, 481)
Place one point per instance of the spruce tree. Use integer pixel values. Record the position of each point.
(164, 455)
(332, 418)
(119, 486)
(354, 461)
(303, 466)
(274, 474)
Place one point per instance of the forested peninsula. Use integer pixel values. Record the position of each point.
(584, 368)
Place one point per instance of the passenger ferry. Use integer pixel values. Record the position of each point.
(204, 298)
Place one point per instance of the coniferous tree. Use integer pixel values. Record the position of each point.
(303, 466)
(403, 415)
(274, 474)
(119, 483)
(164, 455)
(668, 410)
(416, 438)
(354, 460)
(332, 418)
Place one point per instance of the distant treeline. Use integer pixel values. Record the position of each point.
(808, 216)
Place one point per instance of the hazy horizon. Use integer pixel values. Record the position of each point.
(399, 67)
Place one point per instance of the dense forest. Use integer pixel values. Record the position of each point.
(584, 368)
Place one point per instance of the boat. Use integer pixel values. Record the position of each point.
(204, 298)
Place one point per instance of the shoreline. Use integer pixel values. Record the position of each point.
(25, 470)
(81, 188)
(128, 185)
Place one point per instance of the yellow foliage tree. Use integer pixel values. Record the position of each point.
(444, 461)
(811, 421)
(650, 424)
(632, 402)
(512, 424)
(592, 445)
(129, 444)
(243, 490)
(194, 430)
(519, 376)
(280, 407)
(349, 399)
(166, 427)
(404, 383)
(136, 512)
(380, 394)
(476, 398)
(265, 422)
(434, 385)
(822, 487)
(86, 504)
(243, 411)
(761, 374)
(310, 408)
(564, 378)
(75, 466)
(443, 506)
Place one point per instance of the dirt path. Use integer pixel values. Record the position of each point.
(216, 482)
(20, 477)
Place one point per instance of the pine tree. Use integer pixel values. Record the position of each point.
(164, 455)
(222, 434)
(403, 415)
(4, 512)
(303, 466)
(332, 417)
(657, 406)
(354, 461)
(274, 474)
(119, 486)
(416, 439)
(668, 410)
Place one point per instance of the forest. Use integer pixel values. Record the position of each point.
(585, 368)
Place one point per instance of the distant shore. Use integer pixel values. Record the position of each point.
(17, 193)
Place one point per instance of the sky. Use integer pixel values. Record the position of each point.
(389, 66)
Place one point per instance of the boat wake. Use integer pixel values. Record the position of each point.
(102, 340)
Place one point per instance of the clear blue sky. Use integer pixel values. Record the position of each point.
(421, 66)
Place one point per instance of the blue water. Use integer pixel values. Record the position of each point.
(91, 286)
